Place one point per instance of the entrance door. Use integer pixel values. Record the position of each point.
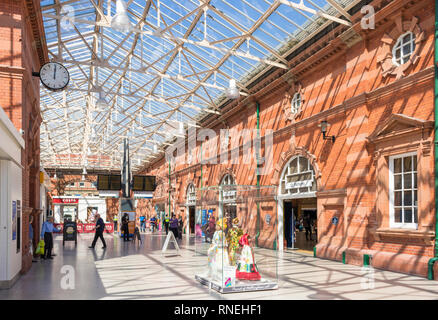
(232, 210)
(192, 220)
(288, 224)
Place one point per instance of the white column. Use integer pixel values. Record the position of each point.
(280, 215)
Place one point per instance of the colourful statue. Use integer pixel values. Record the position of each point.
(233, 237)
(217, 253)
(246, 265)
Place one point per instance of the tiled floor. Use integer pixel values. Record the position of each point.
(131, 271)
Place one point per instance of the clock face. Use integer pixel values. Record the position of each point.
(54, 76)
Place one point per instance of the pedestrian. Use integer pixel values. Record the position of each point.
(31, 238)
(166, 223)
(173, 225)
(307, 227)
(180, 227)
(99, 229)
(47, 235)
(125, 227)
(115, 220)
(153, 222)
(143, 223)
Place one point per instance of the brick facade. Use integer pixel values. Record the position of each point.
(22, 50)
(375, 110)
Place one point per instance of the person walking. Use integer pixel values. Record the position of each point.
(115, 220)
(143, 223)
(100, 228)
(174, 226)
(125, 227)
(47, 235)
(307, 227)
(166, 223)
(153, 222)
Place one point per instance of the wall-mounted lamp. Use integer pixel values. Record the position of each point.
(324, 125)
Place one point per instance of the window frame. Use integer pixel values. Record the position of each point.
(397, 225)
(288, 174)
(294, 108)
(399, 44)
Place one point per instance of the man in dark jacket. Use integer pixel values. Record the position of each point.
(125, 227)
(100, 228)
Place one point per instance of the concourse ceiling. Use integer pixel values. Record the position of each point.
(170, 70)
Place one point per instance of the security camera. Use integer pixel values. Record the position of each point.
(22, 132)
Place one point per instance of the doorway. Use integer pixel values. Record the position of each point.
(289, 222)
(231, 209)
(300, 223)
(191, 220)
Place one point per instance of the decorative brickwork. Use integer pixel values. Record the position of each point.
(346, 80)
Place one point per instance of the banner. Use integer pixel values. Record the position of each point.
(65, 200)
(87, 227)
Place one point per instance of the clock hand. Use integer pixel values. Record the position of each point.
(54, 73)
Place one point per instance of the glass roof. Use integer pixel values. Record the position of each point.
(170, 70)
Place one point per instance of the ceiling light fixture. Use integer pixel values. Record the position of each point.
(232, 92)
(120, 22)
(101, 102)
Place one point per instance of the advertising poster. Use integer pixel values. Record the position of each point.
(204, 221)
(14, 220)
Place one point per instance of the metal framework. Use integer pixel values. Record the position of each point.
(171, 68)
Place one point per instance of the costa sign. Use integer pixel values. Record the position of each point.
(87, 227)
(65, 200)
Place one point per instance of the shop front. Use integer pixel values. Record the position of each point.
(65, 208)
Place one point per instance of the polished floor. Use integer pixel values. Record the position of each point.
(126, 270)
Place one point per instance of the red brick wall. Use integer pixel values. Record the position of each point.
(19, 97)
(345, 86)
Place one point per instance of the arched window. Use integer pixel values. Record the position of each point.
(296, 103)
(228, 188)
(298, 178)
(191, 195)
(403, 48)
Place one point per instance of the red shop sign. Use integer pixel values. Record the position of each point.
(87, 227)
(65, 200)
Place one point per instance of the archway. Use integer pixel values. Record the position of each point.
(227, 196)
(297, 206)
(190, 209)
